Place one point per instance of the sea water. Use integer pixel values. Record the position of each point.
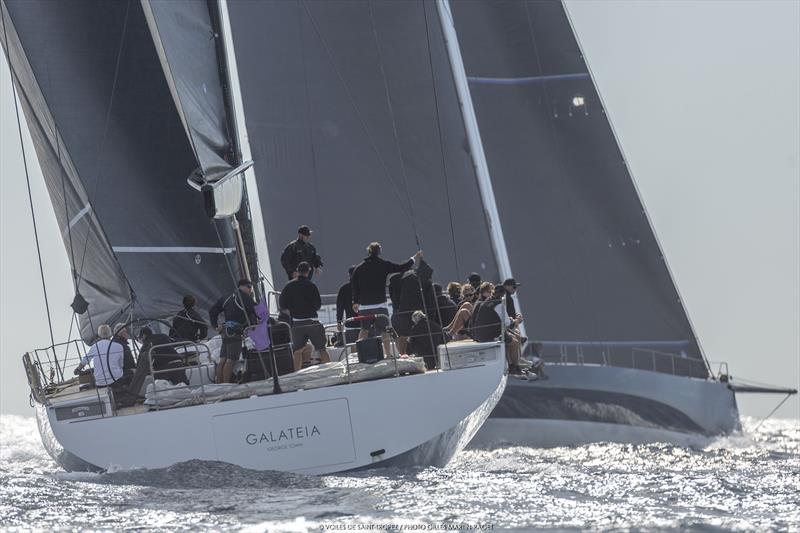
(742, 482)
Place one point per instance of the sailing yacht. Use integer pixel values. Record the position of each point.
(178, 141)
(622, 358)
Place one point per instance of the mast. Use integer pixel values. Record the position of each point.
(475, 144)
(239, 134)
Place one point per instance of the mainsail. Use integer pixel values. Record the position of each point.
(355, 130)
(577, 234)
(88, 73)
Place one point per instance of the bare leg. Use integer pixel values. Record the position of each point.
(363, 334)
(323, 356)
(227, 371)
(218, 375)
(402, 344)
(297, 358)
(512, 353)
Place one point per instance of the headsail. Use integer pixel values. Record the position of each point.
(345, 104)
(578, 236)
(187, 38)
(95, 71)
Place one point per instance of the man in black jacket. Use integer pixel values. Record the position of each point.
(344, 308)
(301, 298)
(426, 336)
(301, 250)
(187, 324)
(240, 313)
(121, 337)
(369, 289)
(445, 307)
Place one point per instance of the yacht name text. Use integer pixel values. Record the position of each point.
(286, 434)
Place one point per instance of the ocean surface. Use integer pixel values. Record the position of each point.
(744, 482)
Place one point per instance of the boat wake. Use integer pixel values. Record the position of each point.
(745, 481)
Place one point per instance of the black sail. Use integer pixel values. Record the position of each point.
(188, 43)
(95, 73)
(577, 234)
(333, 151)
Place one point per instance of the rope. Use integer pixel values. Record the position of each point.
(30, 195)
(105, 133)
(772, 412)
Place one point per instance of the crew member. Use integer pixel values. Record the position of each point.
(121, 337)
(239, 311)
(445, 306)
(369, 289)
(474, 279)
(107, 360)
(301, 298)
(426, 336)
(487, 325)
(344, 309)
(301, 250)
(188, 325)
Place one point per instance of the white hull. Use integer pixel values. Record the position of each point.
(587, 403)
(411, 420)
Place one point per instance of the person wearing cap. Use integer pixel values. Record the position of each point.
(301, 298)
(474, 279)
(240, 313)
(301, 250)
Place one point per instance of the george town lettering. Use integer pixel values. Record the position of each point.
(284, 435)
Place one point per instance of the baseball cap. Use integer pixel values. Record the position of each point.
(512, 282)
(304, 230)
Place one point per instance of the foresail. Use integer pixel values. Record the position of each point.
(95, 77)
(594, 278)
(356, 130)
(188, 42)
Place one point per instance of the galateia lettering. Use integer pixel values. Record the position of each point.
(295, 433)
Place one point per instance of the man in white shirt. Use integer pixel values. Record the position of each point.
(106, 358)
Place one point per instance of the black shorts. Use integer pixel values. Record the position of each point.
(380, 323)
(308, 330)
(231, 347)
(402, 323)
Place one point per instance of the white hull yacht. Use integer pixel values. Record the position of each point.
(417, 419)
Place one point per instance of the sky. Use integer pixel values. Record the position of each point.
(705, 99)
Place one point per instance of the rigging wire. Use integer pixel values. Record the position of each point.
(441, 141)
(360, 117)
(30, 195)
(404, 174)
(772, 412)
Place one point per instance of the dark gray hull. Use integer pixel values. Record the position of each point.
(588, 403)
